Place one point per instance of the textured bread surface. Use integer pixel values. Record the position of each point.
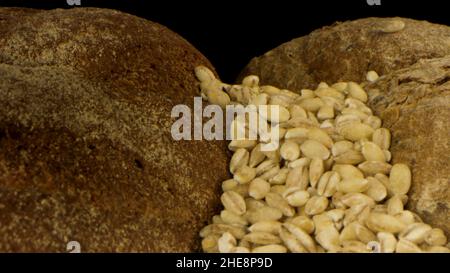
(86, 152)
(347, 50)
(415, 104)
(412, 98)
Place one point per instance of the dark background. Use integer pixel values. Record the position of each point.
(230, 33)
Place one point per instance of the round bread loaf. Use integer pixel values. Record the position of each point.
(415, 104)
(346, 51)
(86, 152)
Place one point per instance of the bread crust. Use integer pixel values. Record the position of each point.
(414, 103)
(346, 51)
(86, 151)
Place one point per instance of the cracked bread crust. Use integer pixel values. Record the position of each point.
(414, 103)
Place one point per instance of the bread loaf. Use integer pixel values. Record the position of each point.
(346, 51)
(414, 103)
(86, 152)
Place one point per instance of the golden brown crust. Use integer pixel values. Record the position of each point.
(346, 51)
(86, 152)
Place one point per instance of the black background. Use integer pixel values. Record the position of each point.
(230, 32)
(149, 263)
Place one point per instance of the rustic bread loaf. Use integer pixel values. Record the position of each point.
(346, 51)
(86, 152)
(413, 100)
(415, 104)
